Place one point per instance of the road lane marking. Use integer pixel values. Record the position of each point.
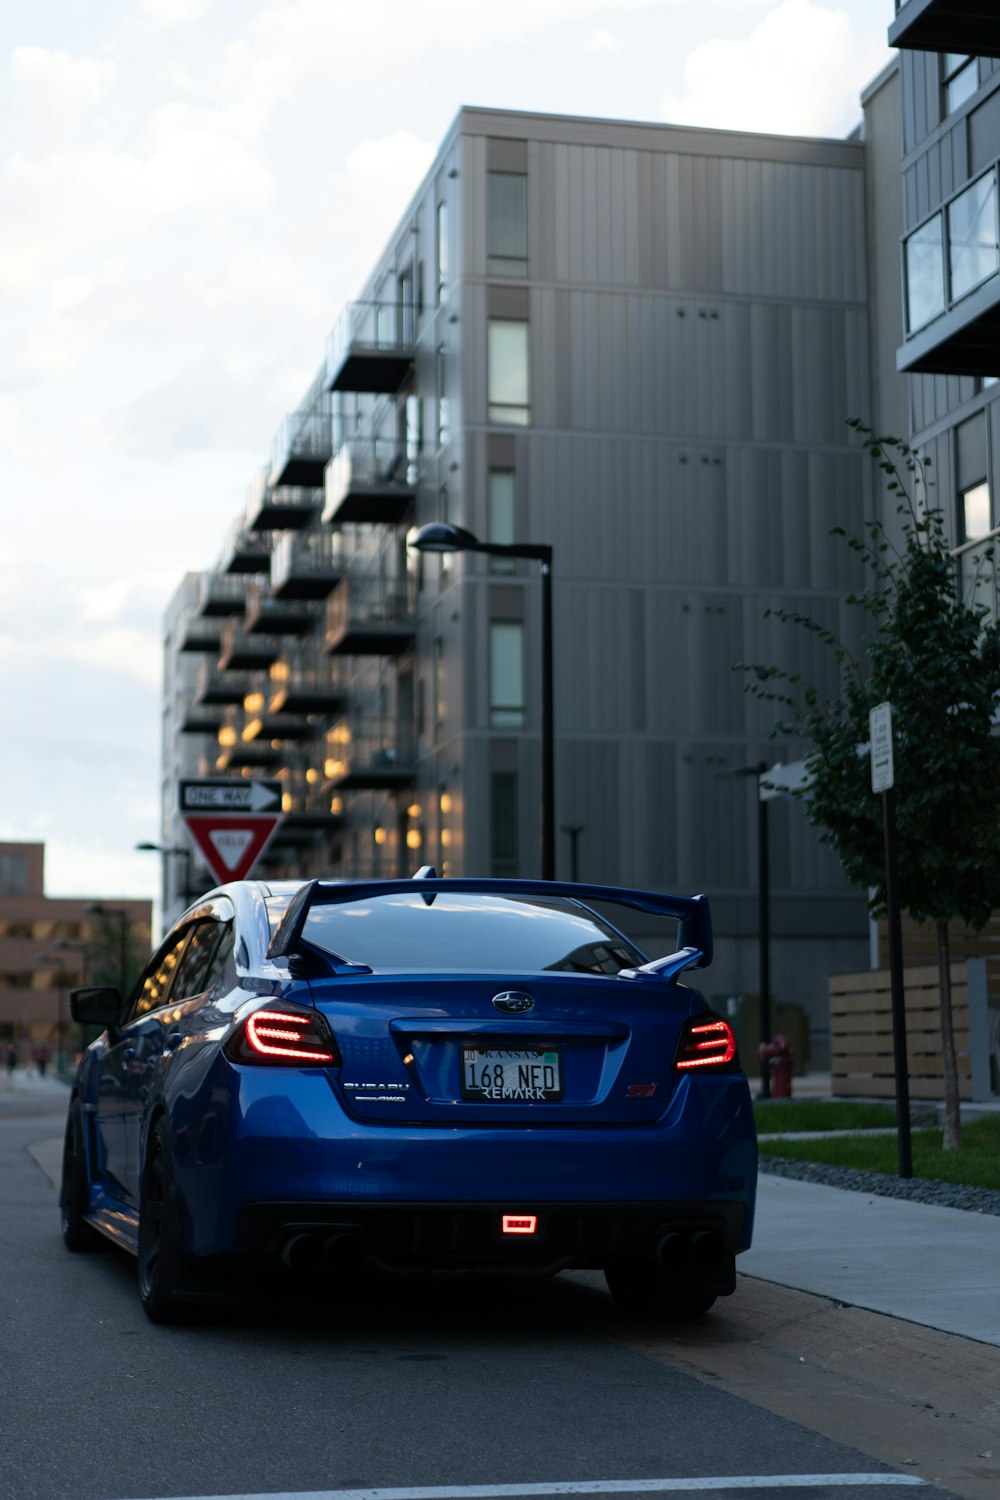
(594, 1487)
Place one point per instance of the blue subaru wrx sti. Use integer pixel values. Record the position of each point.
(415, 1075)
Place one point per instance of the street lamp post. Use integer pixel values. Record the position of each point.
(98, 909)
(439, 536)
(763, 916)
(56, 961)
(180, 853)
(64, 945)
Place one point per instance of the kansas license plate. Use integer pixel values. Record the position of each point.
(522, 1075)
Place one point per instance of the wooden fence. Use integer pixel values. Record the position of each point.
(861, 1043)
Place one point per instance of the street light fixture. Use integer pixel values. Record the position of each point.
(147, 846)
(440, 536)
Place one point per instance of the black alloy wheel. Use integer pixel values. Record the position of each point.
(159, 1235)
(74, 1192)
(641, 1289)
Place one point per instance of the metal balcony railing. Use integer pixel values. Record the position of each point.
(371, 347)
(302, 444)
(305, 680)
(245, 551)
(369, 479)
(280, 507)
(212, 686)
(241, 651)
(306, 565)
(221, 594)
(267, 615)
(369, 616)
(367, 753)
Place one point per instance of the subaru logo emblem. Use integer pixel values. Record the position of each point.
(513, 1002)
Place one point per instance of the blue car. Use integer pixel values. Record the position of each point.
(415, 1075)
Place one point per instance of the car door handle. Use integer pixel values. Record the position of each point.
(173, 1039)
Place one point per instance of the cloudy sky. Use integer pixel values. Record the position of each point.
(190, 190)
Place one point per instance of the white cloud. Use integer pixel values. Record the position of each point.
(172, 12)
(56, 80)
(786, 76)
(603, 41)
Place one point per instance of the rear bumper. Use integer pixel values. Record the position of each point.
(697, 1240)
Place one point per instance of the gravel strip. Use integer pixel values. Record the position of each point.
(917, 1189)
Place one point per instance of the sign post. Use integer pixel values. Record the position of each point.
(232, 822)
(883, 782)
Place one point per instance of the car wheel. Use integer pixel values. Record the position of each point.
(159, 1268)
(644, 1290)
(74, 1192)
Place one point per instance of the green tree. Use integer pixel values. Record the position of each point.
(936, 660)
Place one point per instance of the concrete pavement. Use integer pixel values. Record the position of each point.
(939, 1267)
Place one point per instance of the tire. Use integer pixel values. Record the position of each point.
(74, 1191)
(640, 1289)
(159, 1262)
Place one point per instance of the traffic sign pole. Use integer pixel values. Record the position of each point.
(883, 782)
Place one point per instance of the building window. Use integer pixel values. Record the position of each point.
(507, 223)
(925, 274)
(442, 252)
(507, 382)
(504, 851)
(443, 415)
(440, 698)
(959, 79)
(13, 874)
(414, 437)
(972, 236)
(978, 590)
(506, 674)
(500, 516)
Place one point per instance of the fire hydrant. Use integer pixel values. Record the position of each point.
(778, 1056)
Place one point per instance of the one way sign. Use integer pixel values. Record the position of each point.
(232, 822)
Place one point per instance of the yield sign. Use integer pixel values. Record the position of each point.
(231, 843)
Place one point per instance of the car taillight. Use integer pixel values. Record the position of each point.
(707, 1044)
(283, 1036)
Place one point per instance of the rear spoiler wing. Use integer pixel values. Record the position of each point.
(691, 913)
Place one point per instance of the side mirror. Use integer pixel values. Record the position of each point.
(95, 1004)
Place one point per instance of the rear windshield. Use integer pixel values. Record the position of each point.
(463, 932)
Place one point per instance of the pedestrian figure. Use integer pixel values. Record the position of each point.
(11, 1060)
(42, 1055)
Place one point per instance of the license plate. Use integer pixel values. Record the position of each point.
(523, 1075)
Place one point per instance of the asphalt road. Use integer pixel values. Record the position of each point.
(409, 1388)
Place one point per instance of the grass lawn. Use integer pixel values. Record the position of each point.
(976, 1164)
(821, 1114)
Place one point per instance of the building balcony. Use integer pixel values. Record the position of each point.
(969, 26)
(306, 566)
(369, 480)
(277, 617)
(371, 348)
(215, 688)
(200, 636)
(200, 721)
(369, 755)
(221, 594)
(246, 551)
(302, 444)
(306, 681)
(305, 801)
(369, 617)
(285, 507)
(951, 266)
(241, 652)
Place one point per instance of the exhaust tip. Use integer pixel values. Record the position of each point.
(672, 1250)
(707, 1247)
(302, 1253)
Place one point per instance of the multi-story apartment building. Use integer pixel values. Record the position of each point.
(950, 97)
(639, 345)
(49, 944)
